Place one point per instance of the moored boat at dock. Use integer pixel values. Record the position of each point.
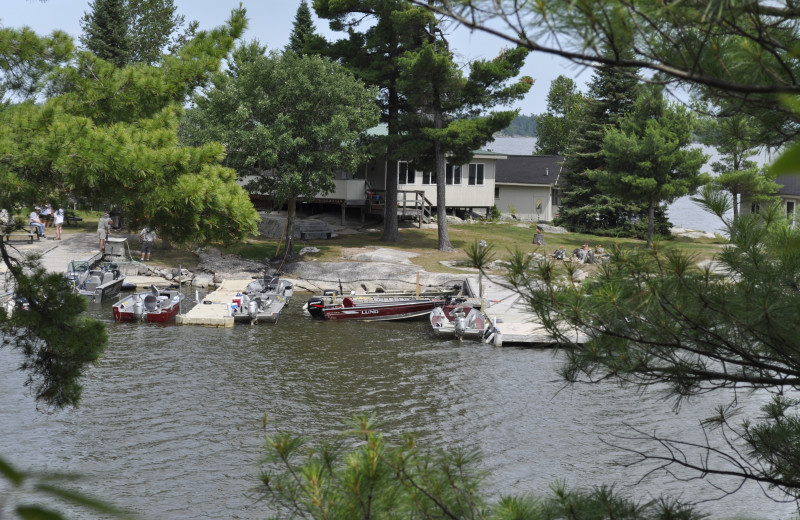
(98, 285)
(459, 319)
(262, 301)
(154, 306)
(370, 310)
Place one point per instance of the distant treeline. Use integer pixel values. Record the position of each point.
(521, 126)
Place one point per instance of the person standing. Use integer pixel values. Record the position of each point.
(147, 236)
(33, 220)
(58, 221)
(103, 228)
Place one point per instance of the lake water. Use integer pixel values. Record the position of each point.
(682, 213)
(171, 420)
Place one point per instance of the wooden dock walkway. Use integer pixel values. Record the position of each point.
(513, 320)
(216, 313)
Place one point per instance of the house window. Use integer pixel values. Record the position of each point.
(476, 174)
(790, 211)
(497, 192)
(556, 196)
(405, 175)
(428, 177)
(452, 174)
(755, 208)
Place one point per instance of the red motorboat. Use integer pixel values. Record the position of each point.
(154, 306)
(351, 309)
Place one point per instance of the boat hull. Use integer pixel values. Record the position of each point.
(156, 307)
(458, 321)
(376, 311)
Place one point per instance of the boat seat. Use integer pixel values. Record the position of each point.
(92, 283)
(150, 302)
(348, 302)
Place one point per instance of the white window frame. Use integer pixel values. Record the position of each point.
(478, 178)
(451, 171)
(431, 175)
(405, 175)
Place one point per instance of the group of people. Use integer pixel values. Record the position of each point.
(43, 217)
(147, 236)
(584, 254)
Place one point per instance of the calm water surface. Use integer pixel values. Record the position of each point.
(171, 421)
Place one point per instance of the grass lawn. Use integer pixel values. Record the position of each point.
(503, 237)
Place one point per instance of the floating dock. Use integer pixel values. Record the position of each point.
(217, 312)
(513, 320)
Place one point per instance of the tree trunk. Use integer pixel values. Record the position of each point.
(290, 216)
(651, 222)
(391, 232)
(441, 200)
(735, 197)
(390, 228)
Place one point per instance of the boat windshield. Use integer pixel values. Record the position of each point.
(78, 266)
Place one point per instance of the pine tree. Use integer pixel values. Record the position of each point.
(133, 31)
(586, 208)
(105, 30)
(372, 54)
(304, 39)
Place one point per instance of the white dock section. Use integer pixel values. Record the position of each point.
(214, 314)
(513, 319)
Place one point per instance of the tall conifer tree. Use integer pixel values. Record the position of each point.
(372, 54)
(303, 39)
(105, 30)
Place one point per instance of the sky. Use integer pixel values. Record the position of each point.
(270, 21)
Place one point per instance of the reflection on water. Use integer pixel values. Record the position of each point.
(171, 420)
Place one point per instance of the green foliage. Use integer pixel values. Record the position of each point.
(288, 122)
(521, 126)
(656, 319)
(123, 32)
(111, 136)
(559, 125)
(648, 157)
(733, 137)
(480, 254)
(494, 213)
(27, 60)
(106, 31)
(738, 56)
(365, 476)
(26, 485)
(587, 208)
(303, 39)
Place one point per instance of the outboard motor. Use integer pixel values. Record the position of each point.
(460, 323)
(315, 306)
(252, 309)
(138, 309)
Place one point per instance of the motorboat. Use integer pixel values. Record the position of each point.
(155, 306)
(262, 301)
(99, 284)
(458, 321)
(371, 310)
(333, 296)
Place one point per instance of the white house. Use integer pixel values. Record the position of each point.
(526, 186)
